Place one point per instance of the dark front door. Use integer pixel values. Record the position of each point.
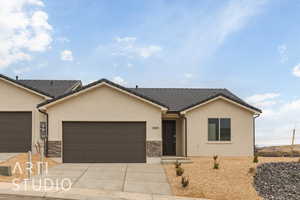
(15, 131)
(169, 137)
(104, 142)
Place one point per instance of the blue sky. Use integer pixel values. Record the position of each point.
(248, 46)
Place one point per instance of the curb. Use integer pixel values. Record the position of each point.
(78, 194)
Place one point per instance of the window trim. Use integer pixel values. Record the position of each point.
(219, 141)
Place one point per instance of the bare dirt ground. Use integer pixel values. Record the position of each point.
(283, 148)
(232, 181)
(22, 159)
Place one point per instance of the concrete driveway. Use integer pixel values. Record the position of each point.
(137, 178)
(6, 156)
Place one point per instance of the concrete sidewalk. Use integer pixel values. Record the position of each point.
(87, 194)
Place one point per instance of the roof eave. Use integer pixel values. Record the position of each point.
(90, 86)
(254, 110)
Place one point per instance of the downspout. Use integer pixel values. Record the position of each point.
(185, 135)
(46, 140)
(254, 132)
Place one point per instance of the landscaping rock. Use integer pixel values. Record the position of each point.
(278, 181)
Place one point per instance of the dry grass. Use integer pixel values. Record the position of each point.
(283, 148)
(231, 182)
(279, 151)
(22, 159)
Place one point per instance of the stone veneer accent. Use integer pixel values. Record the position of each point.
(154, 148)
(54, 148)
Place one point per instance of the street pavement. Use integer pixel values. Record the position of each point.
(13, 197)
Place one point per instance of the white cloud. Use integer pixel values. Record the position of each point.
(296, 70)
(188, 75)
(263, 100)
(275, 125)
(66, 55)
(259, 98)
(24, 28)
(119, 80)
(282, 50)
(129, 65)
(127, 46)
(211, 31)
(235, 16)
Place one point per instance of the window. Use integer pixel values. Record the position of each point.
(213, 129)
(219, 129)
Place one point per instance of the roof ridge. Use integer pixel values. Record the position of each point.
(48, 80)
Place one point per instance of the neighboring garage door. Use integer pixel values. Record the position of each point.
(104, 142)
(15, 131)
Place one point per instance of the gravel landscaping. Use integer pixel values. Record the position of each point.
(278, 181)
(232, 181)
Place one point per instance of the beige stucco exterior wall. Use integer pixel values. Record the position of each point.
(104, 104)
(241, 130)
(13, 98)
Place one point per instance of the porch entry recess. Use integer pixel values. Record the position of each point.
(169, 137)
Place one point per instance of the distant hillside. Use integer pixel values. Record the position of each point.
(277, 151)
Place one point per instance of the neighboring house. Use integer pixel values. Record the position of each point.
(19, 116)
(106, 122)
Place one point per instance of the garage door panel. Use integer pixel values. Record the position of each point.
(15, 131)
(104, 142)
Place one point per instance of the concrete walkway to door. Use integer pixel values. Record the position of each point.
(136, 178)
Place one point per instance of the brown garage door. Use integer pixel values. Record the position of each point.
(15, 131)
(104, 142)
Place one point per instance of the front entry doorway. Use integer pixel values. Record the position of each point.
(169, 137)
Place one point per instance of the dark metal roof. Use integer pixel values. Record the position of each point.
(25, 86)
(53, 87)
(98, 82)
(179, 99)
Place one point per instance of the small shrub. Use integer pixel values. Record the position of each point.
(293, 153)
(215, 158)
(252, 170)
(177, 164)
(179, 171)
(277, 154)
(216, 165)
(255, 159)
(184, 182)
